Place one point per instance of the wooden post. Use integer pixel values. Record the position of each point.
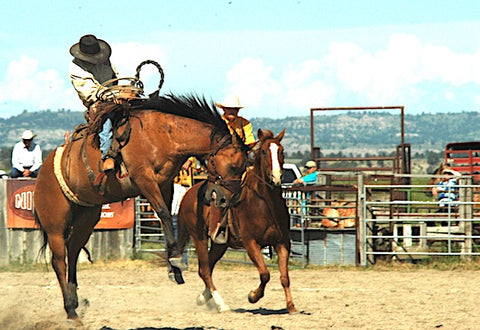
(4, 239)
(466, 212)
(360, 224)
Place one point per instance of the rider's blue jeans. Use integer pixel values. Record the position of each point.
(106, 137)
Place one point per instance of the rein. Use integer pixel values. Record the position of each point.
(268, 184)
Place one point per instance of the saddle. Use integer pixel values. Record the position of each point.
(219, 222)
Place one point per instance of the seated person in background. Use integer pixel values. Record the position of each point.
(26, 157)
(311, 176)
(447, 190)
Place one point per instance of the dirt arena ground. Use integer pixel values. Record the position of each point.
(138, 295)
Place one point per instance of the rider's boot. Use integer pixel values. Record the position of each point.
(108, 164)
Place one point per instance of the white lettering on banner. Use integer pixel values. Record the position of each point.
(107, 214)
(24, 200)
(106, 207)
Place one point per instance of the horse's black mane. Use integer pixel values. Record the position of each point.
(189, 106)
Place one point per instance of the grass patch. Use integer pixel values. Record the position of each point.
(17, 267)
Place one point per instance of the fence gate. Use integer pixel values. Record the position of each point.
(149, 235)
(417, 227)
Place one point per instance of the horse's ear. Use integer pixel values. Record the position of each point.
(260, 134)
(280, 136)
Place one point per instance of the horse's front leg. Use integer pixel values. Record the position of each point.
(283, 252)
(151, 191)
(255, 254)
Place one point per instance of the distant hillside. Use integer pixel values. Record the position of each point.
(355, 132)
(361, 132)
(49, 126)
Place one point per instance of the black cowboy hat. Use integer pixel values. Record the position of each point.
(91, 49)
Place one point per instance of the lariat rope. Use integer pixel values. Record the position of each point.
(57, 169)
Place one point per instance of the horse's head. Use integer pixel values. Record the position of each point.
(226, 166)
(269, 157)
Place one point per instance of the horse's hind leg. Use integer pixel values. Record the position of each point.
(255, 254)
(215, 253)
(283, 253)
(206, 262)
(57, 246)
(83, 222)
(55, 226)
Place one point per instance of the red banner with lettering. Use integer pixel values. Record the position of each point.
(20, 208)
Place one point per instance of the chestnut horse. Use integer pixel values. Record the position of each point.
(163, 133)
(259, 218)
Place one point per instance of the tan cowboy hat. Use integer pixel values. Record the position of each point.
(310, 164)
(91, 49)
(231, 101)
(27, 135)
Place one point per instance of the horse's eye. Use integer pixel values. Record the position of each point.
(264, 152)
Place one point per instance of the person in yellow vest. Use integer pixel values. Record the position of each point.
(231, 106)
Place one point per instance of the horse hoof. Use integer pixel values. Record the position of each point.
(253, 297)
(177, 262)
(223, 309)
(73, 316)
(175, 275)
(204, 297)
(201, 300)
(292, 310)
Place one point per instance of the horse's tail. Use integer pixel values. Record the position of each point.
(43, 248)
(183, 234)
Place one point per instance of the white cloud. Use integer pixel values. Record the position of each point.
(251, 80)
(314, 94)
(405, 70)
(127, 56)
(449, 96)
(306, 86)
(395, 74)
(24, 83)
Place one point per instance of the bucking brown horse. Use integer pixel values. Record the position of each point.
(159, 135)
(258, 217)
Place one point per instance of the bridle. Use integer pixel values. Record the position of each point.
(214, 177)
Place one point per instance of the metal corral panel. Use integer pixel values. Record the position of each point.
(326, 246)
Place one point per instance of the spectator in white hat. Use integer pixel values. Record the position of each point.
(230, 106)
(311, 176)
(26, 157)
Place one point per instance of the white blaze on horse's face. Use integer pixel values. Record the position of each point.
(276, 170)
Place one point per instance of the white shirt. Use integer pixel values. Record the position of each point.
(85, 83)
(21, 156)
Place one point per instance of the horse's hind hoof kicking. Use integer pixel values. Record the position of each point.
(175, 275)
(178, 262)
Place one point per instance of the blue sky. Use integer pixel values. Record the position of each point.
(281, 57)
